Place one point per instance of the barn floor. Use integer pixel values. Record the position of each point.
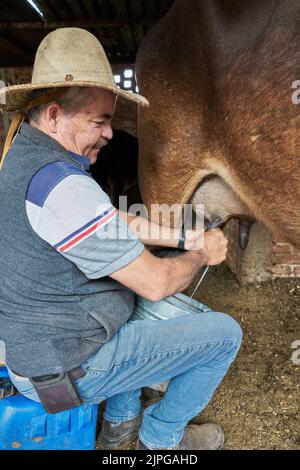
(257, 404)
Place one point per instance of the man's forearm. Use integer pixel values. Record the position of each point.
(151, 233)
(181, 270)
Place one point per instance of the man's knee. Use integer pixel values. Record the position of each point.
(231, 328)
(232, 336)
(218, 326)
(225, 340)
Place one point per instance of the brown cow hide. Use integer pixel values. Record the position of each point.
(218, 75)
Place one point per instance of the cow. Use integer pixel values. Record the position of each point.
(222, 128)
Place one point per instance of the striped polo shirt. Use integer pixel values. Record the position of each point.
(70, 211)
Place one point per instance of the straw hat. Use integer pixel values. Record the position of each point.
(66, 57)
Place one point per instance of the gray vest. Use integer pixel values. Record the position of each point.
(52, 317)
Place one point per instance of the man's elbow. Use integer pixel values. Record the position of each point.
(160, 288)
(155, 295)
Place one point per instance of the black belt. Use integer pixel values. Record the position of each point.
(76, 373)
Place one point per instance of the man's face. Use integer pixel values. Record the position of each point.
(86, 131)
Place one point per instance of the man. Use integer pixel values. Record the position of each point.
(67, 286)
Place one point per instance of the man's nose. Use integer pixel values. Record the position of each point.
(107, 132)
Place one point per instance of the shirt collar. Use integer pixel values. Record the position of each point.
(84, 161)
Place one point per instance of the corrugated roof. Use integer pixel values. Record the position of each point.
(120, 25)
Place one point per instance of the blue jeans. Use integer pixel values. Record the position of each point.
(194, 347)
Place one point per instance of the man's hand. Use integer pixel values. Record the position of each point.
(213, 244)
(215, 247)
(156, 278)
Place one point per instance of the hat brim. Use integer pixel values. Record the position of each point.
(16, 97)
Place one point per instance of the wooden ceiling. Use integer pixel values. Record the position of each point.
(120, 25)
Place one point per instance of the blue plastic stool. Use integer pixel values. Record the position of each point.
(25, 425)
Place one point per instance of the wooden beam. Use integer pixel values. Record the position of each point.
(120, 12)
(68, 9)
(83, 10)
(21, 61)
(118, 23)
(8, 36)
(96, 7)
(48, 10)
(24, 61)
(127, 59)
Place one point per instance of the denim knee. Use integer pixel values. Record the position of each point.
(230, 328)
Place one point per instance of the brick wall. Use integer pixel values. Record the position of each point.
(285, 260)
(264, 259)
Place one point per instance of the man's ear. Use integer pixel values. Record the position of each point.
(52, 116)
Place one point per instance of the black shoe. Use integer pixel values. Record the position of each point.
(114, 436)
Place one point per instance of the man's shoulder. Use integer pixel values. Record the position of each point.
(50, 177)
